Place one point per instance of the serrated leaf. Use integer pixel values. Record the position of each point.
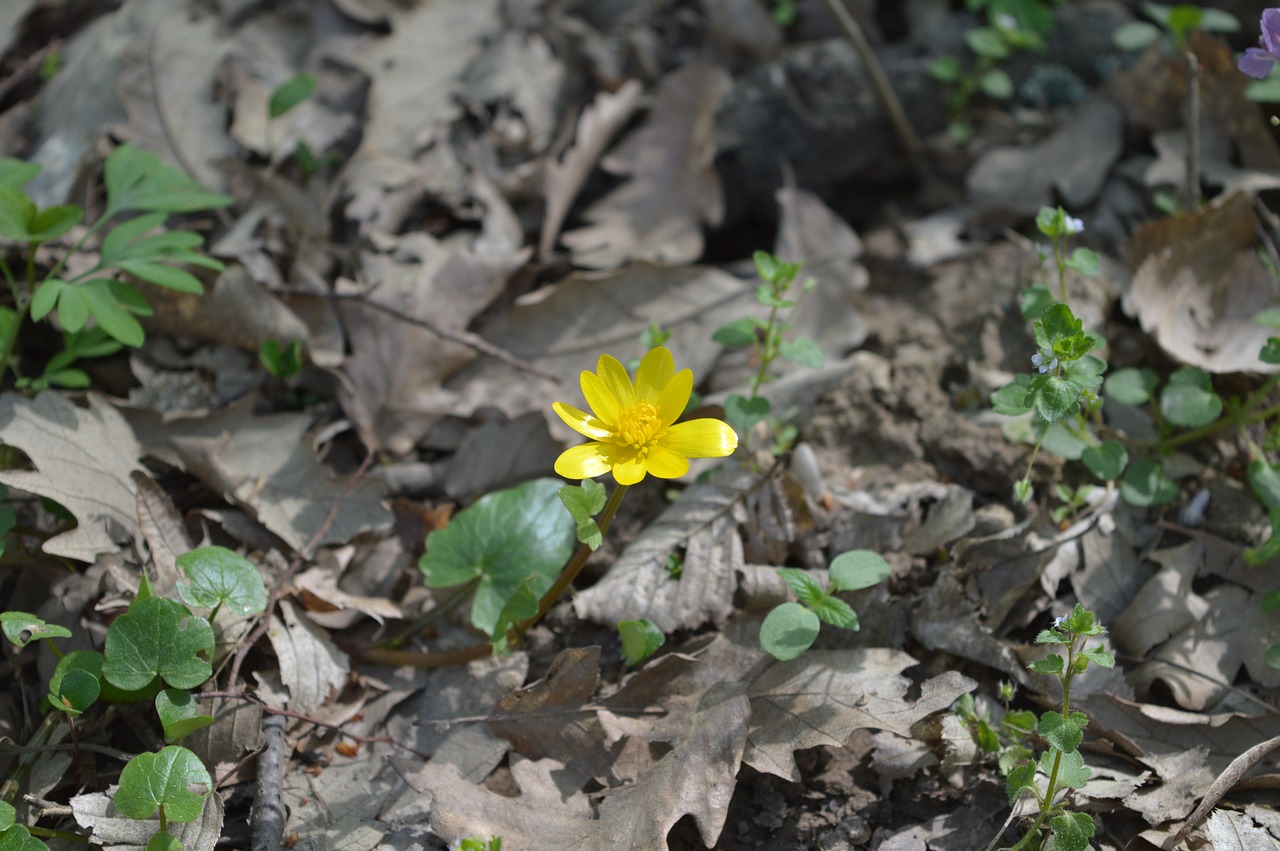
(1063, 733)
(788, 631)
(1021, 776)
(179, 714)
(1145, 484)
(1107, 461)
(806, 587)
(152, 780)
(158, 638)
(22, 628)
(835, 611)
(1072, 772)
(740, 332)
(802, 351)
(1099, 656)
(1071, 831)
(583, 503)
(1054, 397)
(1013, 399)
(216, 576)
(1050, 636)
(640, 640)
(1050, 665)
(1131, 386)
(858, 569)
(502, 540)
(138, 180)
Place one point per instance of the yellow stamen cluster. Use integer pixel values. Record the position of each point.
(639, 423)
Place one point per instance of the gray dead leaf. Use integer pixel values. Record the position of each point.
(311, 667)
(391, 381)
(413, 76)
(501, 453)
(639, 584)
(896, 757)
(235, 731)
(358, 579)
(162, 527)
(322, 584)
(519, 68)
(166, 87)
(1184, 778)
(821, 697)
(1163, 607)
(1082, 152)
(84, 458)
(1200, 286)
(268, 466)
(1111, 575)
(110, 830)
(339, 808)
(1232, 831)
(563, 178)
(15, 13)
(673, 188)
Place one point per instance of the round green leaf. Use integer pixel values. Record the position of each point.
(502, 540)
(173, 778)
(857, 569)
(1107, 461)
(179, 714)
(1135, 35)
(986, 42)
(788, 631)
(1189, 404)
(18, 838)
(640, 640)
(76, 691)
(22, 628)
(996, 84)
(1131, 386)
(945, 69)
(164, 841)
(216, 576)
(1145, 484)
(8, 815)
(158, 638)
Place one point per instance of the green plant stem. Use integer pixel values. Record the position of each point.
(64, 835)
(1059, 248)
(769, 351)
(164, 822)
(1219, 425)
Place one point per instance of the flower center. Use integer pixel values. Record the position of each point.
(638, 424)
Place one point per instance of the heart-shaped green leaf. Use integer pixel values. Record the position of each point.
(1188, 399)
(1131, 386)
(743, 413)
(1107, 461)
(179, 714)
(158, 638)
(216, 576)
(1146, 484)
(788, 631)
(75, 692)
(174, 779)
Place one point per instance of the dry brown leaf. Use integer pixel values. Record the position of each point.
(1199, 286)
(322, 585)
(563, 179)
(821, 697)
(639, 584)
(311, 667)
(108, 829)
(391, 382)
(673, 188)
(84, 459)
(1233, 831)
(162, 527)
(518, 69)
(537, 720)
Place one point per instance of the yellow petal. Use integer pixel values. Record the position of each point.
(705, 438)
(628, 467)
(582, 422)
(665, 464)
(582, 462)
(617, 381)
(601, 399)
(675, 397)
(655, 371)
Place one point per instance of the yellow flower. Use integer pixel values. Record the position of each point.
(633, 427)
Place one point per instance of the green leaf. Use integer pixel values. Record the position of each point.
(90, 662)
(290, 93)
(73, 308)
(1023, 776)
(1051, 221)
(17, 214)
(45, 298)
(1131, 386)
(138, 181)
(1063, 733)
(802, 351)
(1218, 21)
(502, 540)
(1054, 397)
(1072, 772)
(15, 173)
(743, 413)
(987, 738)
(1272, 656)
(805, 586)
(53, 222)
(1035, 301)
(101, 301)
(1188, 399)
(1099, 656)
(179, 714)
(22, 628)
(858, 569)
(1265, 481)
(1270, 351)
(8, 815)
(996, 84)
(1135, 36)
(162, 275)
(945, 69)
(158, 638)
(1022, 491)
(1050, 665)
(1084, 261)
(1071, 831)
(18, 838)
(1013, 399)
(1051, 636)
(986, 42)
(216, 576)
(76, 691)
(165, 779)
(835, 611)
(1023, 721)
(740, 332)
(164, 841)
(1269, 318)
(1145, 484)
(584, 503)
(640, 640)
(283, 363)
(788, 631)
(1013, 756)
(1107, 461)
(1081, 621)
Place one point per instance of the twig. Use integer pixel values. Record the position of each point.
(268, 814)
(464, 338)
(880, 83)
(1225, 782)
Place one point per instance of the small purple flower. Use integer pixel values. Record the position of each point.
(1258, 61)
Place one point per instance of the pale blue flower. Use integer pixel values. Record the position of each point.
(1258, 61)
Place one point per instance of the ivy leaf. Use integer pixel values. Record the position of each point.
(1107, 461)
(1054, 397)
(1013, 399)
(858, 569)
(22, 628)
(165, 779)
(788, 631)
(216, 576)
(1099, 656)
(1050, 665)
(179, 715)
(158, 638)
(1063, 733)
(1071, 831)
(500, 541)
(1188, 399)
(640, 640)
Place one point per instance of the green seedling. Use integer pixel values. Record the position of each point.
(791, 628)
(990, 45)
(283, 363)
(640, 640)
(173, 783)
(1172, 23)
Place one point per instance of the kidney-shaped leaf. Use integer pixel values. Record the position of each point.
(174, 778)
(502, 540)
(158, 637)
(216, 576)
(179, 714)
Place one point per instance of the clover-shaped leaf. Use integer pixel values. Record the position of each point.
(22, 628)
(640, 640)
(174, 778)
(179, 715)
(788, 631)
(158, 638)
(216, 576)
